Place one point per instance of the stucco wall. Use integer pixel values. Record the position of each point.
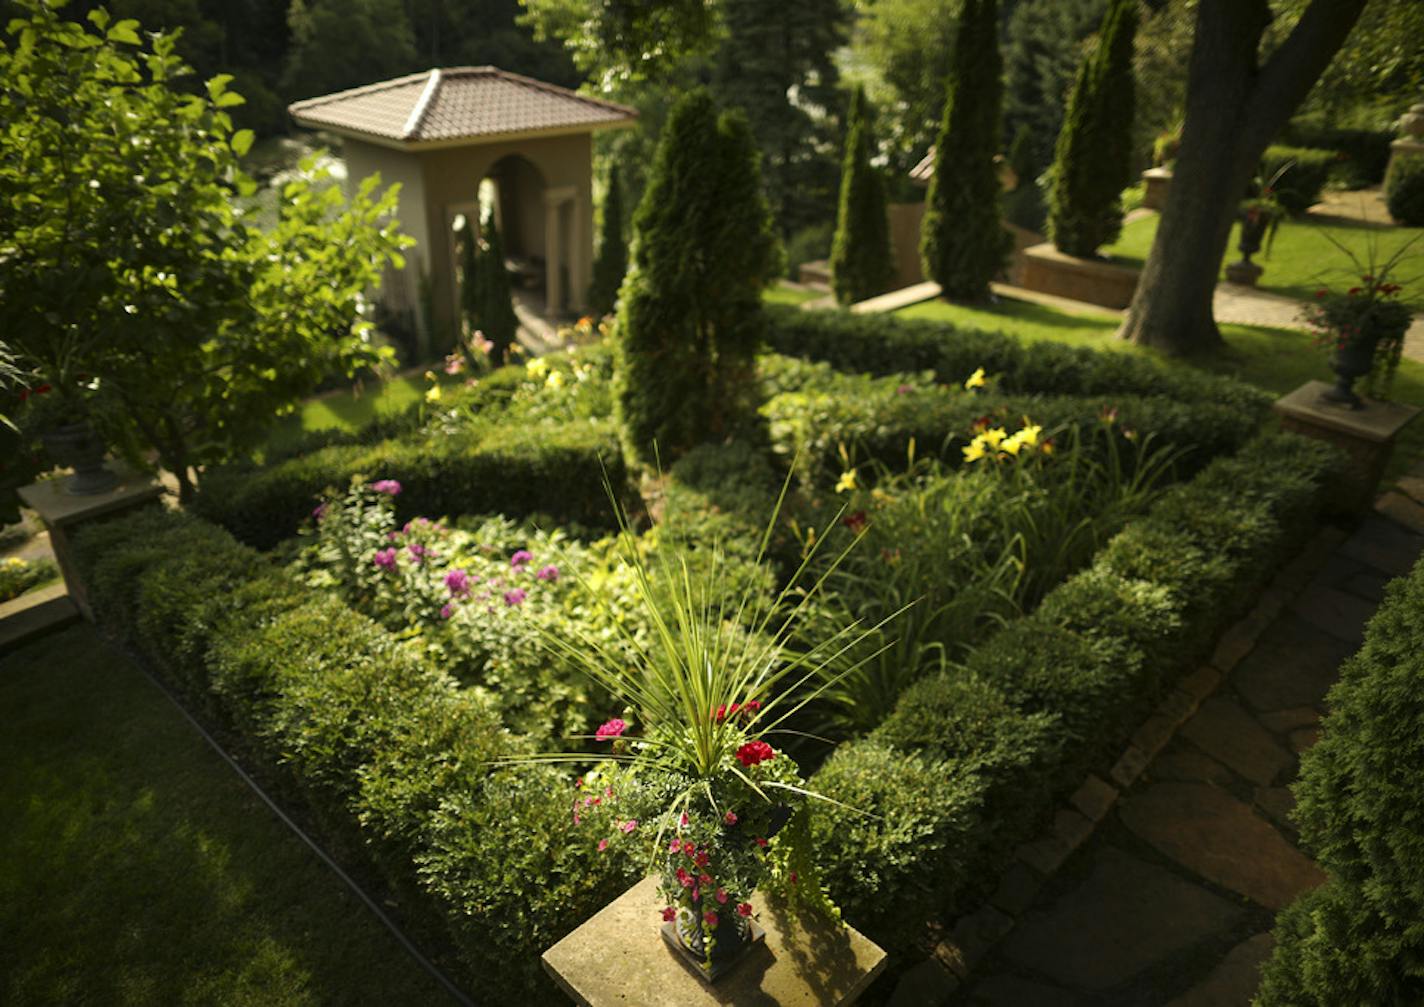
(400, 289)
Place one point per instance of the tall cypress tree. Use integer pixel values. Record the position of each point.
(962, 242)
(492, 299)
(862, 263)
(689, 315)
(1093, 158)
(612, 262)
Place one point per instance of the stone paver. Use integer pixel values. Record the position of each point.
(1180, 764)
(1402, 510)
(1283, 721)
(1214, 835)
(1384, 545)
(1233, 982)
(1126, 916)
(1339, 613)
(1277, 803)
(1294, 664)
(1013, 991)
(1227, 733)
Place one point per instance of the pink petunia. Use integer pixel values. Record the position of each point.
(630, 825)
(387, 486)
(602, 845)
(610, 729)
(722, 895)
(745, 908)
(730, 818)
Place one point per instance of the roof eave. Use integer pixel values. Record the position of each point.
(413, 146)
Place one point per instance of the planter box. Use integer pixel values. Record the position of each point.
(1049, 271)
(1158, 182)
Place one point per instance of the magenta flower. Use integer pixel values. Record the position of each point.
(710, 917)
(602, 845)
(669, 914)
(549, 573)
(730, 818)
(629, 825)
(458, 583)
(722, 896)
(446, 611)
(520, 558)
(319, 512)
(385, 559)
(744, 908)
(674, 847)
(610, 730)
(515, 597)
(416, 551)
(388, 486)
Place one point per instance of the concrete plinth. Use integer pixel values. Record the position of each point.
(617, 957)
(1243, 273)
(1365, 435)
(1049, 271)
(1157, 183)
(62, 513)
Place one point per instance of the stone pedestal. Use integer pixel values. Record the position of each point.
(62, 513)
(618, 957)
(1365, 435)
(1243, 272)
(1157, 182)
(1048, 271)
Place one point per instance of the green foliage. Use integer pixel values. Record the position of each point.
(512, 468)
(885, 344)
(962, 242)
(339, 44)
(1093, 160)
(1043, 46)
(1404, 191)
(690, 313)
(127, 262)
(1024, 205)
(625, 40)
(1364, 152)
(1303, 174)
(862, 261)
(19, 575)
(488, 296)
(611, 264)
(1358, 805)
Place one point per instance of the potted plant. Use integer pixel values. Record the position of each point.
(60, 415)
(1260, 214)
(708, 686)
(1364, 329)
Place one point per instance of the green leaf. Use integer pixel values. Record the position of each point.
(241, 142)
(229, 98)
(124, 32)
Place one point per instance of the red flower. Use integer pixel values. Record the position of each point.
(602, 845)
(751, 706)
(856, 522)
(689, 847)
(721, 713)
(1319, 294)
(710, 917)
(44, 389)
(761, 841)
(744, 908)
(610, 730)
(704, 878)
(755, 752)
(669, 914)
(730, 818)
(1353, 291)
(702, 859)
(722, 895)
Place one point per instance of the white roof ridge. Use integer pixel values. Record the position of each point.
(432, 84)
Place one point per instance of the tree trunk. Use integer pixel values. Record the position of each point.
(1234, 108)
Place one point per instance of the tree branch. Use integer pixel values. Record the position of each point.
(1295, 67)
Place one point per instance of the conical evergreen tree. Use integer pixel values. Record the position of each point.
(689, 315)
(962, 242)
(1093, 158)
(491, 299)
(1024, 205)
(612, 261)
(862, 262)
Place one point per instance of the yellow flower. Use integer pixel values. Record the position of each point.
(975, 450)
(975, 380)
(537, 368)
(1030, 433)
(847, 481)
(433, 394)
(994, 437)
(1012, 445)
(15, 561)
(1047, 447)
(555, 381)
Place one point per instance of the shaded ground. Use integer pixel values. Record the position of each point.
(136, 868)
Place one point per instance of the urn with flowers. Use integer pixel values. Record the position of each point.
(1364, 329)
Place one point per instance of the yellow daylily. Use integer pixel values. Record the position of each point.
(432, 394)
(1012, 445)
(975, 380)
(994, 437)
(537, 368)
(846, 482)
(1030, 434)
(974, 451)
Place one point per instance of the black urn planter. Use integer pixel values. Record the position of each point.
(1350, 363)
(732, 938)
(77, 446)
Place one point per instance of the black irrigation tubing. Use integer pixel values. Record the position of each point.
(350, 882)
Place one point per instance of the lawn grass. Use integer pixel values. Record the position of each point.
(786, 293)
(1302, 259)
(136, 868)
(1276, 360)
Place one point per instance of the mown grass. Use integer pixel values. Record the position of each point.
(136, 868)
(1303, 258)
(1277, 360)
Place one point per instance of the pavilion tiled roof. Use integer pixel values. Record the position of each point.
(467, 103)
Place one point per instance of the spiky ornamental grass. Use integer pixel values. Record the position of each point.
(1093, 158)
(963, 244)
(862, 262)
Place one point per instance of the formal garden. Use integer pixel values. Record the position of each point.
(823, 637)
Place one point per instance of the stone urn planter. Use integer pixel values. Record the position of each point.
(1351, 361)
(78, 446)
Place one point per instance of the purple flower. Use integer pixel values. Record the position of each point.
(319, 512)
(515, 597)
(520, 558)
(416, 551)
(446, 611)
(385, 559)
(458, 581)
(549, 573)
(388, 486)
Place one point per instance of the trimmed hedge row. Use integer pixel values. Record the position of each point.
(1365, 152)
(513, 468)
(967, 764)
(1303, 174)
(1360, 938)
(885, 344)
(388, 752)
(1404, 191)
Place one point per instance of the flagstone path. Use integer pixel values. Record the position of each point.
(1172, 899)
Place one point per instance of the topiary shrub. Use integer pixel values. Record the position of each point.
(862, 263)
(611, 265)
(1404, 191)
(1303, 173)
